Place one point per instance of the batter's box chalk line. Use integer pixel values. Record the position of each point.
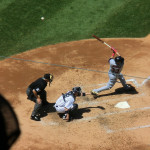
(128, 129)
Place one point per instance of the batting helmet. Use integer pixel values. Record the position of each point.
(77, 90)
(119, 59)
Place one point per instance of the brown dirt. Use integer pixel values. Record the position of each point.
(100, 125)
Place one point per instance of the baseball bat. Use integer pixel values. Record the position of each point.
(106, 44)
(101, 41)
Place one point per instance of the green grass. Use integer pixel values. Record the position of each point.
(66, 20)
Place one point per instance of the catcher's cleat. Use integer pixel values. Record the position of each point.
(64, 116)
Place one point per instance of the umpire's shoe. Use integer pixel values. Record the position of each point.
(36, 118)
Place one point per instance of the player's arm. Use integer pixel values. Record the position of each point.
(37, 96)
(114, 52)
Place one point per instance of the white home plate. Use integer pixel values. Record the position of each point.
(122, 105)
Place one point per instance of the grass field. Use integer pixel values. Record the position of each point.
(67, 20)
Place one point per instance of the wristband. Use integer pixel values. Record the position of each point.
(113, 54)
(114, 50)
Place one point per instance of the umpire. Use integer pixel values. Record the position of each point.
(36, 93)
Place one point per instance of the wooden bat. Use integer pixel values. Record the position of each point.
(101, 41)
(106, 44)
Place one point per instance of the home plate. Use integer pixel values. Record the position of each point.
(122, 105)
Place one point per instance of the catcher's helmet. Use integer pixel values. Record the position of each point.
(77, 90)
(49, 77)
(119, 59)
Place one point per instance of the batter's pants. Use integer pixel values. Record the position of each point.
(112, 80)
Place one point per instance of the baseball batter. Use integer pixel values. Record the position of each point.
(114, 73)
(65, 103)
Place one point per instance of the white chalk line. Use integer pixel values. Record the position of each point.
(128, 129)
(49, 123)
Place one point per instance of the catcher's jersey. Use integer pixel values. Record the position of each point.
(114, 68)
(66, 100)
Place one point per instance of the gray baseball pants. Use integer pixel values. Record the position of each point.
(112, 80)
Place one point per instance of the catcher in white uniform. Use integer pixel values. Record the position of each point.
(65, 103)
(116, 65)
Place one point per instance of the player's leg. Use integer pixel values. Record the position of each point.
(35, 116)
(30, 95)
(73, 110)
(110, 84)
(43, 97)
(123, 81)
(59, 109)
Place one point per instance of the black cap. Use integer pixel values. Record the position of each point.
(47, 76)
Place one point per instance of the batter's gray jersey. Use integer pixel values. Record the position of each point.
(114, 74)
(114, 68)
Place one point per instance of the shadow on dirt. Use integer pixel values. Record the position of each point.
(81, 111)
(48, 108)
(121, 90)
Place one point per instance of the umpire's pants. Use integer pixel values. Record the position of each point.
(31, 97)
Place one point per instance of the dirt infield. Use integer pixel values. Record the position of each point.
(99, 125)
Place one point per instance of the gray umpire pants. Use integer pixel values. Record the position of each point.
(31, 97)
(112, 80)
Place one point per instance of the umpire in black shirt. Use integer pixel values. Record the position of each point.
(36, 93)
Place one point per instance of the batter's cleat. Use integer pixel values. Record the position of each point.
(36, 118)
(95, 94)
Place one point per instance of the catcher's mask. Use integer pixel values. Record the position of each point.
(49, 77)
(119, 59)
(77, 90)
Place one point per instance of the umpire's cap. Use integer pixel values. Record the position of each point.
(49, 77)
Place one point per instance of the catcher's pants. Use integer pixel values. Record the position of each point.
(73, 108)
(112, 80)
(31, 97)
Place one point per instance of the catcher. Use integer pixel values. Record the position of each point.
(65, 104)
(36, 93)
(116, 65)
